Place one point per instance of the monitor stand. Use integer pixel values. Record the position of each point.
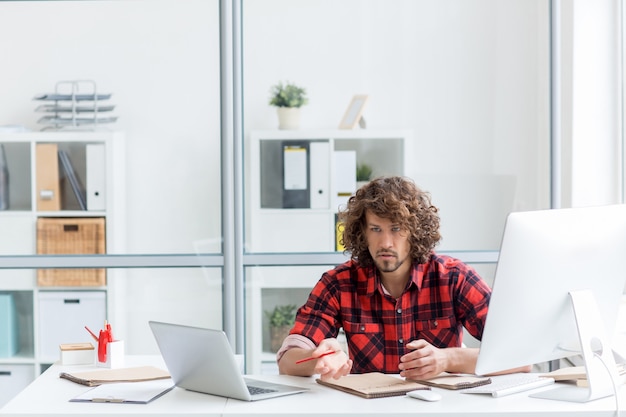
(597, 354)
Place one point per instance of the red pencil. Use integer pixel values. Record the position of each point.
(311, 357)
(92, 334)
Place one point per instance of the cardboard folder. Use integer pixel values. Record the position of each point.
(47, 177)
(107, 376)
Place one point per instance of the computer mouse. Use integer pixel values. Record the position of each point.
(424, 395)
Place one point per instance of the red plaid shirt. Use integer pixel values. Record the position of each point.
(443, 296)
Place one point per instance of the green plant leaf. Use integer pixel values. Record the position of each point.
(363, 172)
(287, 95)
(282, 315)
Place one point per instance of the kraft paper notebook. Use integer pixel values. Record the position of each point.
(454, 382)
(373, 385)
(106, 376)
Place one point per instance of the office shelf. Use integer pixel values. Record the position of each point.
(19, 237)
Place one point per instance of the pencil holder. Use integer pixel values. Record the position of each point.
(114, 356)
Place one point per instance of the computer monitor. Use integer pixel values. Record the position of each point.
(559, 281)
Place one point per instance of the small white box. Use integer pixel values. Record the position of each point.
(115, 355)
(63, 316)
(77, 354)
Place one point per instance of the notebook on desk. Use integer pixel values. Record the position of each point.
(202, 360)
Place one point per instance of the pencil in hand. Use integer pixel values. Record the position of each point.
(310, 358)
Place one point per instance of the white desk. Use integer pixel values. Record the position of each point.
(49, 395)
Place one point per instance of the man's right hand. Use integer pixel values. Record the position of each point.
(334, 365)
(331, 366)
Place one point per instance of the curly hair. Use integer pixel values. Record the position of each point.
(402, 202)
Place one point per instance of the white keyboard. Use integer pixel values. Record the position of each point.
(502, 385)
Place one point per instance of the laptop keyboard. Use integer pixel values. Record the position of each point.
(259, 390)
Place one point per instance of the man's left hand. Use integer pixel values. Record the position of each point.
(423, 362)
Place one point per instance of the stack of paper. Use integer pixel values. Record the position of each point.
(105, 376)
(578, 374)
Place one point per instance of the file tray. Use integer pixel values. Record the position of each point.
(67, 236)
(9, 343)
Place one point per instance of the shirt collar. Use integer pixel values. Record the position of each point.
(370, 281)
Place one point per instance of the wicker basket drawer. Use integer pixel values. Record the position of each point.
(66, 236)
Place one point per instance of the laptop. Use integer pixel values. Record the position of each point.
(202, 360)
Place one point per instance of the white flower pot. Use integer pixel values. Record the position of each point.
(288, 117)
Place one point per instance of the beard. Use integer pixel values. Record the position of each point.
(388, 264)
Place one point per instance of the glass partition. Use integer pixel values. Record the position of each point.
(454, 95)
(159, 62)
(156, 168)
(457, 98)
(466, 84)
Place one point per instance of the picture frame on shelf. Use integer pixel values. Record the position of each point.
(354, 112)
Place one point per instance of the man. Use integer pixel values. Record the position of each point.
(402, 306)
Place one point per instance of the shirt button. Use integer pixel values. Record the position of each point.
(362, 328)
(401, 341)
(399, 311)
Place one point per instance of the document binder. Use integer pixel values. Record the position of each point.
(47, 177)
(339, 229)
(320, 174)
(72, 177)
(345, 176)
(96, 174)
(296, 192)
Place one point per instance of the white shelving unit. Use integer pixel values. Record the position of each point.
(309, 226)
(385, 151)
(35, 304)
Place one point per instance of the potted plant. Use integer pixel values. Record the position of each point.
(288, 98)
(363, 174)
(281, 320)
